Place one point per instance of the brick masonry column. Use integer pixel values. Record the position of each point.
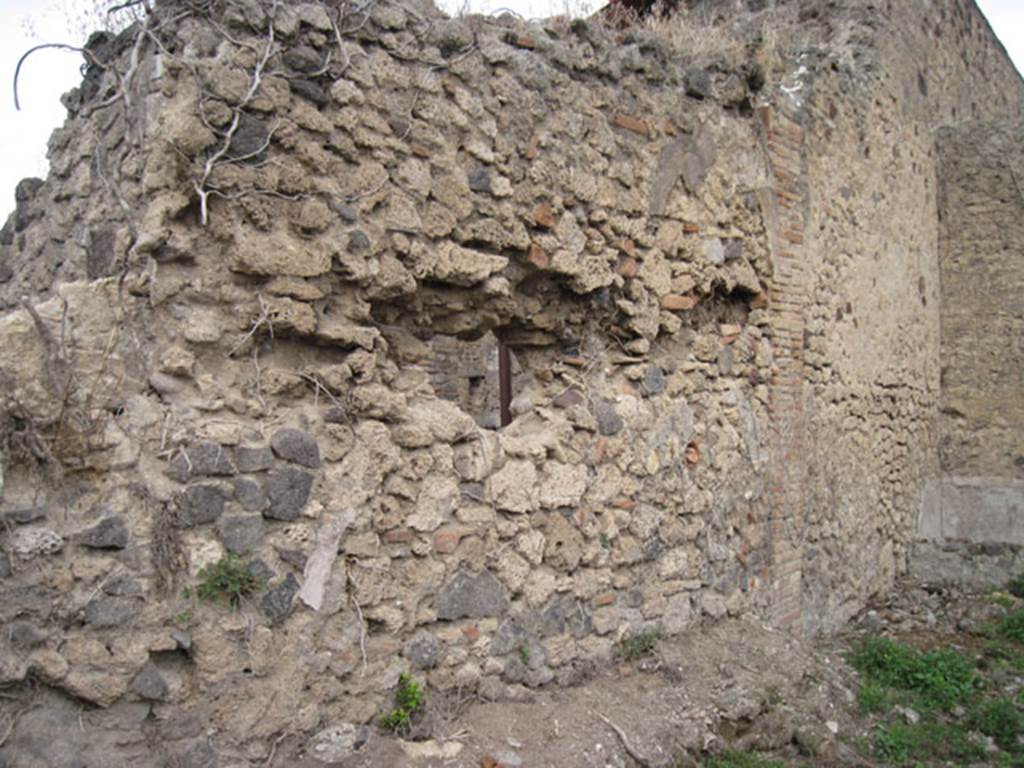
(782, 134)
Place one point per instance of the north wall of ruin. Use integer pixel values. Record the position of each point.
(251, 313)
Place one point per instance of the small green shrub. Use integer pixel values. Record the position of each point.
(1001, 720)
(901, 742)
(1001, 599)
(227, 580)
(1006, 653)
(874, 697)
(1011, 626)
(637, 646)
(409, 701)
(524, 654)
(733, 759)
(937, 679)
(1016, 586)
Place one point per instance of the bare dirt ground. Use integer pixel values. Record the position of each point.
(729, 695)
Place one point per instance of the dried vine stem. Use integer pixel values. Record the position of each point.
(262, 319)
(637, 757)
(33, 49)
(12, 721)
(201, 184)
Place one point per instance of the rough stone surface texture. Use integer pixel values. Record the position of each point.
(979, 496)
(267, 281)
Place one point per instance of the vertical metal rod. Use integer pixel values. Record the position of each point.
(505, 383)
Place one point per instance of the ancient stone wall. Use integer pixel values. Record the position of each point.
(872, 115)
(249, 322)
(979, 497)
(245, 355)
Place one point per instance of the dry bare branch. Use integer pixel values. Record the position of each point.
(60, 46)
(262, 319)
(637, 757)
(220, 154)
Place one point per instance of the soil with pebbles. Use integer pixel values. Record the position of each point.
(735, 685)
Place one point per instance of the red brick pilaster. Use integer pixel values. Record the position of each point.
(783, 137)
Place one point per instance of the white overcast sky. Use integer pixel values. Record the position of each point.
(49, 73)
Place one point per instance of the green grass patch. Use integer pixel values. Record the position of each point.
(1006, 653)
(900, 743)
(228, 580)
(1001, 720)
(1011, 626)
(1016, 586)
(936, 679)
(637, 646)
(1000, 598)
(874, 697)
(733, 759)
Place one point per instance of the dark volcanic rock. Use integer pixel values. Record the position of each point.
(479, 179)
(296, 446)
(277, 603)
(253, 459)
(423, 650)
(288, 490)
(302, 58)
(608, 420)
(471, 596)
(698, 83)
(108, 533)
(201, 460)
(240, 533)
(109, 612)
(250, 494)
(199, 504)
(149, 684)
(24, 515)
(250, 137)
(310, 91)
(653, 382)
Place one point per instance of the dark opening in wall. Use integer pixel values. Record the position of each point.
(468, 373)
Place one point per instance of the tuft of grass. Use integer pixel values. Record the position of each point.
(900, 743)
(936, 679)
(1016, 586)
(874, 697)
(637, 646)
(1003, 600)
(734, 759)
(409, 701)
(228, 580)
(1006, 653)
(1011, 626)
(1001, 720)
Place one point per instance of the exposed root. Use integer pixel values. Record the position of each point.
(640, 759)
